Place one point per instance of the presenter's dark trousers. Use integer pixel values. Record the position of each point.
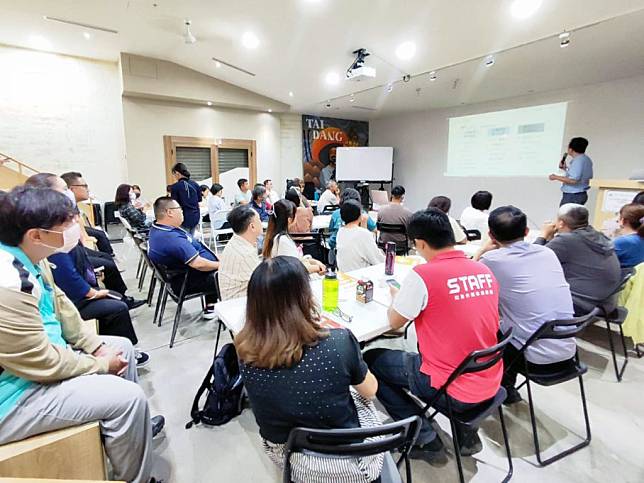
(578, 198)
(102, 242)
(113, 316)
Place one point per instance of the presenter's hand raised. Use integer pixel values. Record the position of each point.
(552, 177)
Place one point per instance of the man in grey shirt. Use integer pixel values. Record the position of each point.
(533, 290)
(395, 214)
(587, 256)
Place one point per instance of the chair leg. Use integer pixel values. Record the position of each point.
(157, 309)
(175, 325)
(138, 267)
(218, 334)
(506, 441)
(618, 371)
(457, 446)
(153, 284)
(637, 351)
(571, 450)
(163, 303)
(144, 271)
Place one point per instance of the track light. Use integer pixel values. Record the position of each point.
(188, 38)
(432, 76)
(489, 61)
(564, 39)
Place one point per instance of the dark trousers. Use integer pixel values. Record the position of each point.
(578, 198)
(113, 317)
(102, 242)
(198, 281)
(398, 370)
(112, 277)
(514, 364)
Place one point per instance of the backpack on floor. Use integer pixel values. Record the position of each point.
(224, 388)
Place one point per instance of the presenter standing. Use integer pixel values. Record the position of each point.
(576, 183)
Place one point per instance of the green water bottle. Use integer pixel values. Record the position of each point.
(330, 287)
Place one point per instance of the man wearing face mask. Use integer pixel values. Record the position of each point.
(44, 347)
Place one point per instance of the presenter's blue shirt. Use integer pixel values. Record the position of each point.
(174, 247)
(19, 273)
(581, 170)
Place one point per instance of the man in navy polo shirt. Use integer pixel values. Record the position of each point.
(173, 247)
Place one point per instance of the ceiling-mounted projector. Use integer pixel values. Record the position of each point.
(358, 71)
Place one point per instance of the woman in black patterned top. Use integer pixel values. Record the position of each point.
(124, 202)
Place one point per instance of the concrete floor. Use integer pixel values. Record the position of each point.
(232, 453)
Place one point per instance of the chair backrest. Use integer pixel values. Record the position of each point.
(625, 278)
(563, 329)
(391, 228)
(219, 218)
(351, 442)
(167, 275)
(472, 235)
(329, 209)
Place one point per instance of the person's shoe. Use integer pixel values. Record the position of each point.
(133, 303)
(513, 396)
(142, 359)
(471, 444)
(209, 312)
(432, 452)
(158, 422)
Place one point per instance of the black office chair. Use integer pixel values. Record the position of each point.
(472, 235)
(477, 361)
(329, 209)
(617, 317)
(400, 229)
(166, 277)
(558, 329)
(312, 244)
(400, 435)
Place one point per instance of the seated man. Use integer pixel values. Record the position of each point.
(331, 196)
(244, 197)
(454, 304)
(356, 246)
(444, 204)
(45, 349)
(587, 256)
(240, 256)
(475, 217)
(258, 202)
(533, 290)
(78, 186)
(394, 214)
(173, 247)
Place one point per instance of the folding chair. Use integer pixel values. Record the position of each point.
(558, 329)
(617, 317)
(472, 235)
(166, 276)
(393, 228)
(400, 435)
(477, 361)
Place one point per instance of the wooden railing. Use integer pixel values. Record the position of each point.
(13, 172)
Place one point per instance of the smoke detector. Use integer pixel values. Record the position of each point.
(188, 38)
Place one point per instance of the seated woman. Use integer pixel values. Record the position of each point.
(444, 204)
(336, 221)
(356, 245)
(303, 221)
(298, 374)
(629, 247)
(124, 200)
(216, 203)
(278, 242)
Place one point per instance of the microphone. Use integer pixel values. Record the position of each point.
(562, 163)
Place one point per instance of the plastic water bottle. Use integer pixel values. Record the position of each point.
(330, 288)
(390, 258)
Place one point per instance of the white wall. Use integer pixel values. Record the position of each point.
(60, 113)
(610, 115)
(147, 121)
(291, 147)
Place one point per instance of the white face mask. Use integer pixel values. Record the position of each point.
(70, 194)
(71, 237)
(132, 196)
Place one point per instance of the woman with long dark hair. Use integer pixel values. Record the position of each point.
(188, 195)
(124, 201)
(278, 241)
(299, 374)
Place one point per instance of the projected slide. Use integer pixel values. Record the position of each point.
(516, 142)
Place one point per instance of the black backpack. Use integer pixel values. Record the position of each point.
(224, 385)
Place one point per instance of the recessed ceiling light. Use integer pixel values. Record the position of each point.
(332, 78)
(406, 50)
(209, 103)
(352, 99)
(270, 110)
(40, 43)
(433, 76)
(87, 35)
(564, 39)
(217, 64)
(489, 61)
(522, 9)
(250, 40)
(290, 94)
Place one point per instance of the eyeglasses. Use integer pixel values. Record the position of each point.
(174, 208)
(343, 315)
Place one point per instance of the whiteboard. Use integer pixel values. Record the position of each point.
(364, 163)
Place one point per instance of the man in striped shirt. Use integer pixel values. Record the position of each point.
(239, 259)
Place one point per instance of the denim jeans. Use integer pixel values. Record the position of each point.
(398, 370)
(578, 198)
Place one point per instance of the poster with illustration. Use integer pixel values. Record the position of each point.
(320, 138)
